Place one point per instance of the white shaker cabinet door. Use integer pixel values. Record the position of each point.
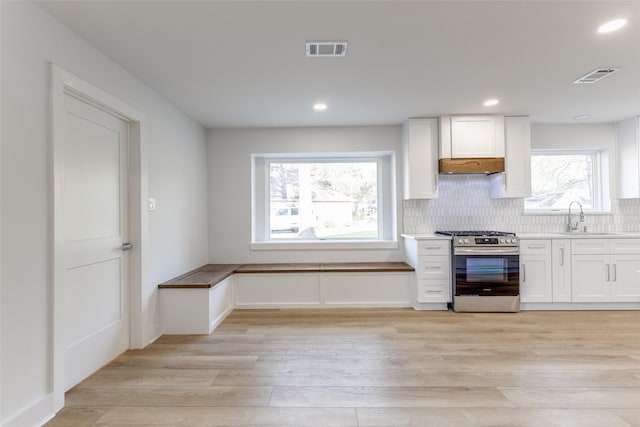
(591, 275)
(625, 280)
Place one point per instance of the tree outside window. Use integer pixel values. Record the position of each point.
(557, 179)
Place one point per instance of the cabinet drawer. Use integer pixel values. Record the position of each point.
(589, 246)
(625, 246)
(434, 291)
(434, 247)
(433, 267)
(535, 246)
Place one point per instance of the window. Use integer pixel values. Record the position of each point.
(560, 177)
(323, 197)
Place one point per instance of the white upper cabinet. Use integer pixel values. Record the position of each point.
(628, 158)
(515, 181)
(420, 158)
(480, 136)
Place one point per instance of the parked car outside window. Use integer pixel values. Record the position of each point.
(285, 219)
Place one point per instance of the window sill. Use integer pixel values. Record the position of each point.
(564, 212)
(324, 245)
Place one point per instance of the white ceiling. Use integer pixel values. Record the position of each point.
(243, 64)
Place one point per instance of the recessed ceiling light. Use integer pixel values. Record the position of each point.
(582, 117)
(320, 107)
(611, 26)
(490, 102)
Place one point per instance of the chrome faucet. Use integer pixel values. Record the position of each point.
(570, 226)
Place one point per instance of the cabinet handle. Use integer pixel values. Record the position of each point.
(435, 182)
(608, 278)
(431, 247)
(535, 246)
(524, 274)
(561, 256)
(504, 180)
(614, 272)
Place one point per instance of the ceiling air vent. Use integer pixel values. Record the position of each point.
(596, 75)
(315, 49)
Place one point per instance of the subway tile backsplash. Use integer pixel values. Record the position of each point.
(464, 204)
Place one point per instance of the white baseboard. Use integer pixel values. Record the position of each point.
(216, 322)
(579, 306)
(34, 415)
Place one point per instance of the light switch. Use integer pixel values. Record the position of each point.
(152, 204)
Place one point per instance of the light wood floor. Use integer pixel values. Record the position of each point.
(382, 367)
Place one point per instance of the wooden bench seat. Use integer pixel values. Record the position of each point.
(210, 275)
(206, 276)
(197, 301)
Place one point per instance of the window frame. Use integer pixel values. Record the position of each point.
(387, 203)
(600, 180)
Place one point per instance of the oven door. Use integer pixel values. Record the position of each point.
(486, 272)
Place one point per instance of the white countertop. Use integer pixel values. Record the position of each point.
(577, 235)
(426, 237)
(532, 236)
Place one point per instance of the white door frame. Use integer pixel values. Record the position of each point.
(63, 82)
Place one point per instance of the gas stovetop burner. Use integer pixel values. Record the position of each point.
(476, 233)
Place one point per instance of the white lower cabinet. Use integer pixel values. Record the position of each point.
(535, 271)
(608, 276)
(590, 278)
(625, 278)
(431, 260)
(561, 270)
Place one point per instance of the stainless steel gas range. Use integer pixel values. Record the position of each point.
(485, 271)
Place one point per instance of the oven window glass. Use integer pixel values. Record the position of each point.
(487, 270)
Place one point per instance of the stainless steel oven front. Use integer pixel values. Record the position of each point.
(486, 279)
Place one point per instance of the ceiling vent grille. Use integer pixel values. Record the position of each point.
(596, 75)
(326, 49)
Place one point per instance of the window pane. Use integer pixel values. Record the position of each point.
(558, 179)
(324, 200)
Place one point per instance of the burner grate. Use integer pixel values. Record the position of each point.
(476, 233)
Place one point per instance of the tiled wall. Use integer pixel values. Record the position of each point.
(464, 204)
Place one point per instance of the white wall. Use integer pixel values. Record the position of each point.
(568, 136)
(229, 159)
(177, 178)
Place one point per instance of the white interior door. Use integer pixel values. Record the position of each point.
(96, 288)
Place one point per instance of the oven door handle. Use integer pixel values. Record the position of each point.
(486, 251)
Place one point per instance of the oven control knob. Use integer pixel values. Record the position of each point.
(501, 240)
(466, 240)
(513, 240)
(459, 240)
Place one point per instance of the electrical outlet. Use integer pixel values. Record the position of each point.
(152, 204)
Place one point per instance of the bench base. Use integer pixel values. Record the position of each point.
(195, 310)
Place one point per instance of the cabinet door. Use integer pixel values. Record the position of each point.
(561, 270)
(590, 278)
(625, 278)
(420, 158)
(628, 158)
(434, 291)
(434, 247)
(625, 246)
(477, 136)
(590, 246)
(516, 179)
(535, 278)
(433, 267)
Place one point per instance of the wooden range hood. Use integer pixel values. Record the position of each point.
(485, 165)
